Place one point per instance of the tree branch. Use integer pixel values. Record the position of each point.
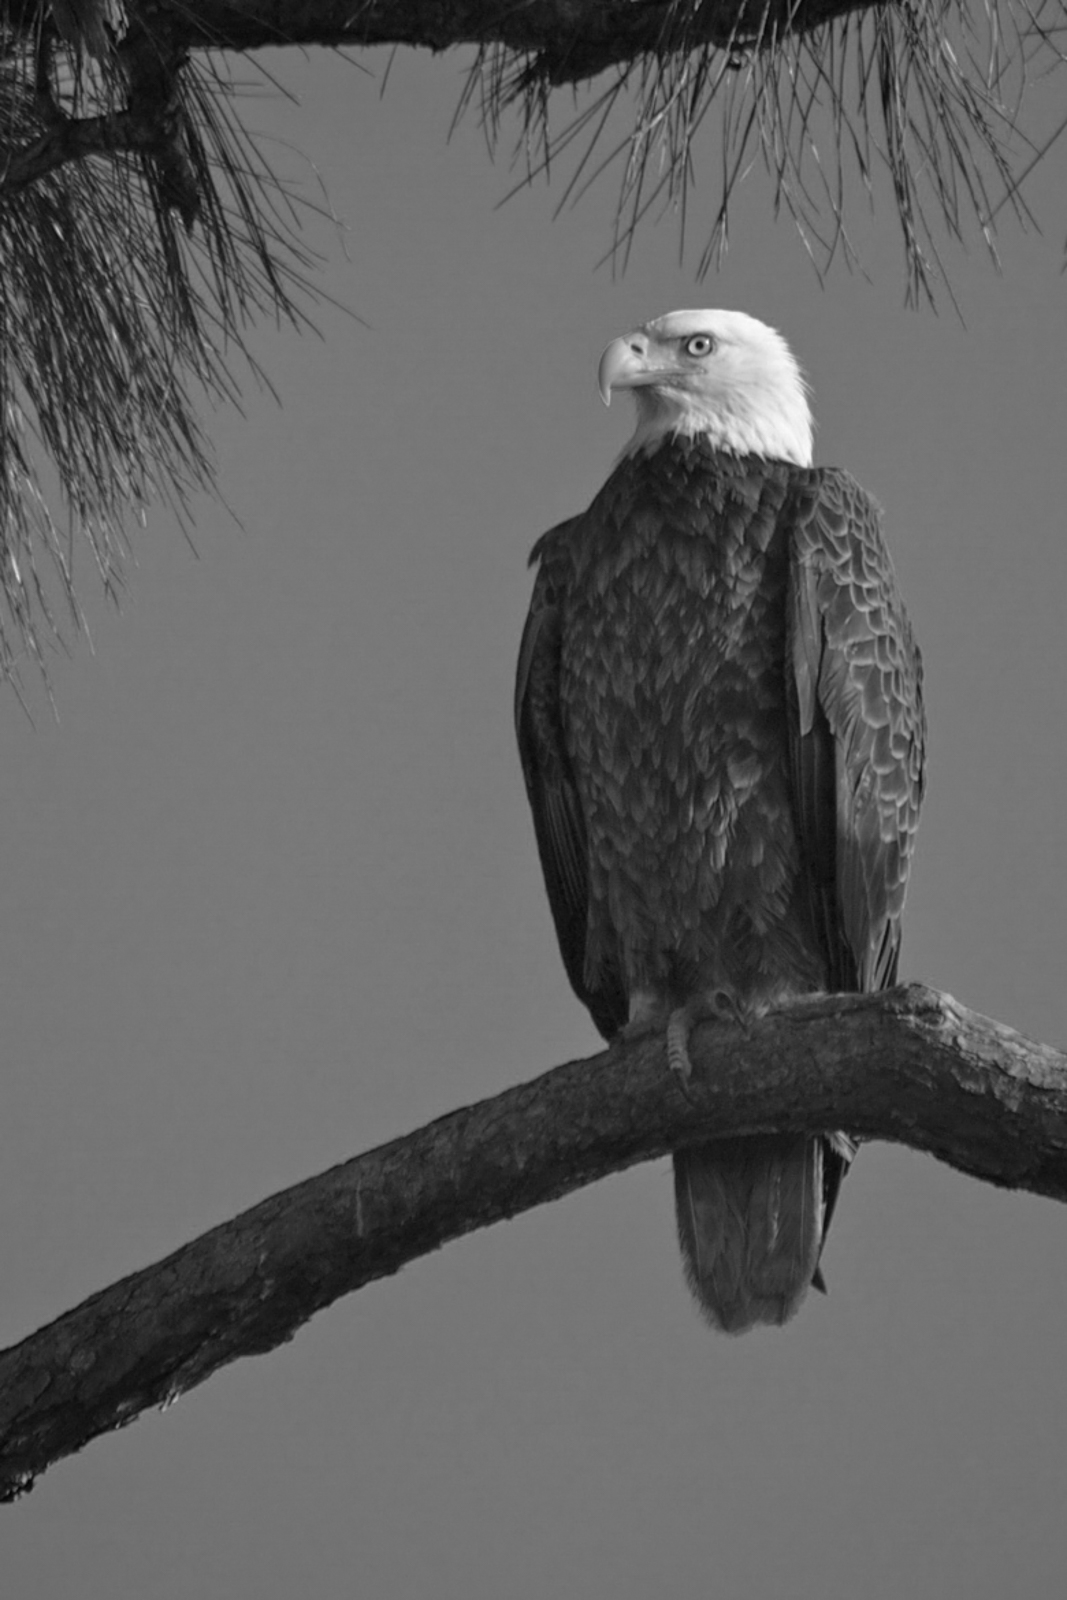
(573, 38)
(111, 130)
(568, 41)
(72, 139)
(910, 1066)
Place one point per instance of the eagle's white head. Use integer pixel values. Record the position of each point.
(720, 374)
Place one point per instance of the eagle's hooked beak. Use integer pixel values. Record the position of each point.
(624, 365)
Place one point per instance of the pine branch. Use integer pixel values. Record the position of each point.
(910, 1066)
(576, 38)
(579, 37)
(143, 231)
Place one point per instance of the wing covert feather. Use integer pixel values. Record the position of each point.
(858, 729)
(559, 825)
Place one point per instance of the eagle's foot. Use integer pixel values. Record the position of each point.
(724, 1006)
(717, 1005)
(679, 1026)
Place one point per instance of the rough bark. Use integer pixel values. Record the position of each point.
(910, 1066)
(573, 38)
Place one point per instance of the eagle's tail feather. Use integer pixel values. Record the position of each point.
(751, 1216)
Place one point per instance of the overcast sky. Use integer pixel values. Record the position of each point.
(272, 897)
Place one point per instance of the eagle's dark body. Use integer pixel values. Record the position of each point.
(720, 720)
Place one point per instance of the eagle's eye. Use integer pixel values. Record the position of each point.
(701, 344)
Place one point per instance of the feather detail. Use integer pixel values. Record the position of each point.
(751, 1216)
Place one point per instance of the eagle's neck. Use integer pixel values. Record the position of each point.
(762, 421)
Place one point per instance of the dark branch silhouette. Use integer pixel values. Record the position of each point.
(575, 39)
(909, 1065)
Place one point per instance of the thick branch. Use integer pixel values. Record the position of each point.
(910, 1066)
(573, 39)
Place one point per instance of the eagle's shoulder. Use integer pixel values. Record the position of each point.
(553, 551)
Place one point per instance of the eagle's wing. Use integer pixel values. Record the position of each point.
(857, 729)
(857, 739)
(554, 800)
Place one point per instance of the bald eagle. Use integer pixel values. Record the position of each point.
(719, 714)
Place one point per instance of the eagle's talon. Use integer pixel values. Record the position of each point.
(678, 1028)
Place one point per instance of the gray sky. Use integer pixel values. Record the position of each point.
(272, 897)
